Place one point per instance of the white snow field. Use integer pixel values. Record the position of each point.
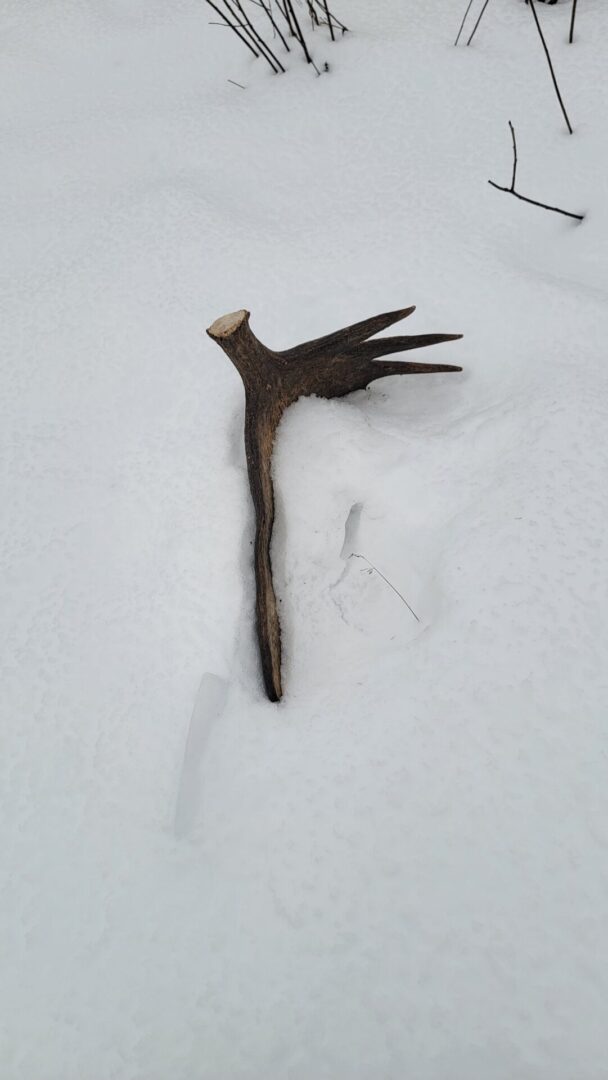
(401, 871)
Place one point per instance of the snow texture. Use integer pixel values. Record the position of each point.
(401, 871)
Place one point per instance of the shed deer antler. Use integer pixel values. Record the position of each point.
(329, 367)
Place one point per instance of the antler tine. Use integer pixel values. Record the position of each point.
(369, 350)
(395, 367)
(343, 340)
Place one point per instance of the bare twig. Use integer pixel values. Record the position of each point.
(464, 19)
(571, 35)
(329, 22)
(478, 22)
(559, 96)
(296, 26)
(258, 39)
(228, 23)
(354, 555)
(300, 36)
(314, 18)
(239, 17)
(524, 198)
(534, 202)
(285, 13)
(254, 38)
(268, 10)
(237, 84)
(514, 156)
(332, 18)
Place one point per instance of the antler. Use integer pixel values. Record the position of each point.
(330, 366)
(332, 344)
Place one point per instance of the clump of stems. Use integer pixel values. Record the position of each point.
(284, 22)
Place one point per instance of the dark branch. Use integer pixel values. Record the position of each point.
(534, 202)
(544, 43)
(571, 34)
(256, 38)
(300, 36)
(514, 156)
(464, 19)
(329, 21)
(268, 11)
(314, 18)
(511, 190)
(322, 4)
(228, 23)
(285, 13)
(478, 22)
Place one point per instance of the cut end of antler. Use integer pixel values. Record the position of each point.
(227, 324)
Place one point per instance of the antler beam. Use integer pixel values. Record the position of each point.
(330, 366)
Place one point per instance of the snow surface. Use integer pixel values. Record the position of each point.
(401, 871)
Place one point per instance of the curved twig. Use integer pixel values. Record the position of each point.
(355, 555)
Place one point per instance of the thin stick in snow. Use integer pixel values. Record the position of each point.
(332, 18)
(314, 18)
(534, 202)
(285, 13)
(300, 36)
(228, 23)
(478, 22)
(257, 38)
(559, 96)
(514, 156)
(329, 22)
(276, 28)
(296, 26)
(464, 19)
(354, 555)
(571, 35)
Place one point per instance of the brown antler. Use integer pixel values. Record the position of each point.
(329, 367)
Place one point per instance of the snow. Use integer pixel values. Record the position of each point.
(401, 870)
